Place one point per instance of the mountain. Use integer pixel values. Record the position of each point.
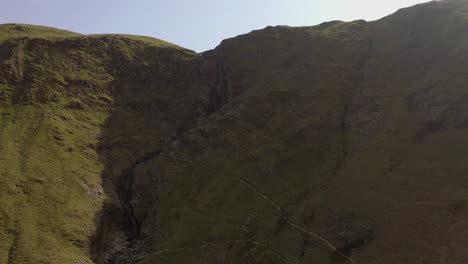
(337, 143)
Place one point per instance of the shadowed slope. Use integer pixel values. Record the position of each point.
(354, 130)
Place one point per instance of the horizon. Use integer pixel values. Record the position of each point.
(196, 26)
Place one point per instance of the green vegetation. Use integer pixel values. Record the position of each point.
(10, 31)
(339, 143)
(149, 40)
(13, 31)
(58, 89)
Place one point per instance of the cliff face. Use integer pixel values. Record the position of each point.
(339, 143)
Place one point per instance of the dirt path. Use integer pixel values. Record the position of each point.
(294, 225)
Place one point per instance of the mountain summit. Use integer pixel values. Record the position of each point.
(343, 142)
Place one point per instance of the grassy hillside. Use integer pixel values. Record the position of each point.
(338, 143)
(57, 97)
(12, 31)
(9, 31)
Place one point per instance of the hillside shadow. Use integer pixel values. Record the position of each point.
(154, 104)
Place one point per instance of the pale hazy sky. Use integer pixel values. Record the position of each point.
(198, 25)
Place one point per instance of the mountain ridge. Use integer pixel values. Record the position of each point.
(337, 143)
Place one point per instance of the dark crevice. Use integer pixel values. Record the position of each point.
(124, 189)
(120, 216)
(131, 225)
(219, 94)
(130, 222)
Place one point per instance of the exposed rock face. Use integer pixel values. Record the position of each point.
(339, 143)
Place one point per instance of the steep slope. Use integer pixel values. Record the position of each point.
(339, 143)
(58, 97)
(255, 172)
(344, 135)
